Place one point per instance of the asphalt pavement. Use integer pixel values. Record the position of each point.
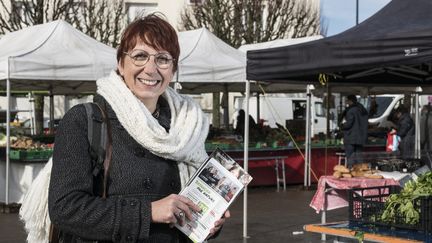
(272, 217)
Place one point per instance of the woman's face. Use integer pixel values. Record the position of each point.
(149, 81)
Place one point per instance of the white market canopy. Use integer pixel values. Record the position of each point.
(207, 64)
(53, 56)
(50, 57)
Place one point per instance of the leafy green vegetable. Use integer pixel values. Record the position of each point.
(359, 235)
(405, 204)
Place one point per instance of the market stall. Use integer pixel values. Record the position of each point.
(51, 57)
(269, 142)
(378, 205)
(389, 52)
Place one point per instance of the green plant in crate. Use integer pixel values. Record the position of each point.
(359, 235)
(406, 203)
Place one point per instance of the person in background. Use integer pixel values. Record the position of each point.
(373, 107)
(426, 128)
(253, 127)
(406, 131)
(158, 140)
(355, 130)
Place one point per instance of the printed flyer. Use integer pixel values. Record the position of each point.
(213, 188)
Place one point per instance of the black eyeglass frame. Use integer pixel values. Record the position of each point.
(149, 55)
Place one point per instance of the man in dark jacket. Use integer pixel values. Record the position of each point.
(406, 131)
(426, 128)
(355, 130)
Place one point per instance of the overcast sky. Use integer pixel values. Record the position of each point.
(340, 15)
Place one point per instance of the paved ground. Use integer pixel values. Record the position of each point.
(273, 217)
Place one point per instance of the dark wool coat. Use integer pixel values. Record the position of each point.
(406, 131)
(426, 131)
(136, 178)
(355, 128)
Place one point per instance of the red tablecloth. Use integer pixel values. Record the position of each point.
(338, 197)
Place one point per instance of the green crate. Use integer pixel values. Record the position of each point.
(16, 154)
(47, 153)
(29, 155)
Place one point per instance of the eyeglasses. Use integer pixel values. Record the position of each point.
(140, 58)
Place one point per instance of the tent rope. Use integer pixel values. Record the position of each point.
(285, 128)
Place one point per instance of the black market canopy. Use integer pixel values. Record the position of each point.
(393, 47)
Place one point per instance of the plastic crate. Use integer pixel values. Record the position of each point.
(15, 154)
(366, 206)
(29, 155)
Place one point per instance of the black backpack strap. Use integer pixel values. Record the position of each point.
(99, 137)
(95, 136)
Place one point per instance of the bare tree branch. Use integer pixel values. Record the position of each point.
(101, 19)
(240, 22)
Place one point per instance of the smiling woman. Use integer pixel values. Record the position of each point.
(147, 59)
(155, 143)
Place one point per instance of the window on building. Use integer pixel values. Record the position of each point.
(140, 9)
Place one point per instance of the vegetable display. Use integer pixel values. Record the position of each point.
(406, 205)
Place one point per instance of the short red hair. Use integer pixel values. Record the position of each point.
(154, 31)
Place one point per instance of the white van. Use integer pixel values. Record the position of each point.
(288, 112)
(384, 106)
(388, 103)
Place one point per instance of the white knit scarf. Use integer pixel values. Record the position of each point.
(185, 140)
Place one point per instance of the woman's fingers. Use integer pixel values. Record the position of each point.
(188, 206)
(173, 209)
(181, 217)
(218, 224)
(189, 203)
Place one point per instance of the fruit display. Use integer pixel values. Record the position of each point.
(25, 148)
(223, 142)
(280, 137)
(27, 143)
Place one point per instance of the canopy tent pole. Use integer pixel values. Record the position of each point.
(32, 113)
(258, 108)
(225, 106)
(311, 87)
(246, 157)
(8, 91)
(307, 137)
(51, 113)
(177, 85)
(417, 150)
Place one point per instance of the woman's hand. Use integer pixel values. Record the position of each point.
(172, 209)
(218, 224)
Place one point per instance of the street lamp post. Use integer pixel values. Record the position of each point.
(357, 12)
